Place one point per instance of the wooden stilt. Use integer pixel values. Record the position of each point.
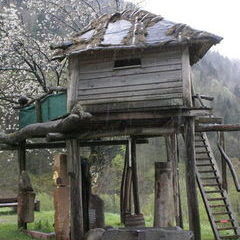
(179, 192)
(135, 177)
(22, 156)
(86, 191)
(164, 206)
(193, 211)
(123, 185)
(76, 207)
(172, 157)
(61, 198)
(22, 167)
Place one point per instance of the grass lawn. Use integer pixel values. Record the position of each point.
(44, 222)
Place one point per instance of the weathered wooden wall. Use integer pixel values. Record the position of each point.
(157, 83)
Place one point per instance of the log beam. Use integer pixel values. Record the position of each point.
(68, 124)
(50, 145)
(151, 132)
(218, 127)
(193, 211)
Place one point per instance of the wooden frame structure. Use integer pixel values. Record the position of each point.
(139, 87)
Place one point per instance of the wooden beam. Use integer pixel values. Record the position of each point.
(193, 211)
(122, 132)
(218, 127)
(50, 145)
(76, 206)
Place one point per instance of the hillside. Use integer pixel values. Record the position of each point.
(219, 77)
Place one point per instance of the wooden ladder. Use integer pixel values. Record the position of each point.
(215, 198)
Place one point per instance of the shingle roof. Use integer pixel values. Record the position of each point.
(137, 29)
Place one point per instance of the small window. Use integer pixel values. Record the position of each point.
(127, 63)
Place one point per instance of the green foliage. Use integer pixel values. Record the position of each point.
(111, 202)
(43, 226)
(43, 183)
(46, 201)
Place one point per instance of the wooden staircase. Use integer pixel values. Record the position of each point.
(215, 198)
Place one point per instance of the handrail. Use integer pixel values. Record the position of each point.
(231, 167)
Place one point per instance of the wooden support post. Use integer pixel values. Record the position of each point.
(193, 211)
(172, 157)
(22, 156)
(76, 207)
(86, 192)
(135, 176)
(25, 199)
(224, 165)
(179, 196)
(164, 206)
(61, 198)
(123, 186)
(22, 167)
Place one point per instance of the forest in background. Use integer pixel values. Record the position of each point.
(214, 75)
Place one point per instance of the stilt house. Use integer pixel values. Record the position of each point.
(130, 75)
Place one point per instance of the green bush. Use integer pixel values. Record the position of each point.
(46, 201)
(111, 203)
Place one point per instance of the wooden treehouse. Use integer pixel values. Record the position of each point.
(130, 76)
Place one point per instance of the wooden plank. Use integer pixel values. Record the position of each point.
(130, 106)
(109, 70)
(129, 72)
(76, 207)
(73, 76)
(39, 235)
(130, 94)
(114, 81)
(150, 57)
(130, 87)
(193, 212)
(8, 204)
(133, 99)
(8, 200)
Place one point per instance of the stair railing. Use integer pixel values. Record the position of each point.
(230, 166)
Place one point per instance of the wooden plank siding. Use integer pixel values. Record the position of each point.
(157, 83)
